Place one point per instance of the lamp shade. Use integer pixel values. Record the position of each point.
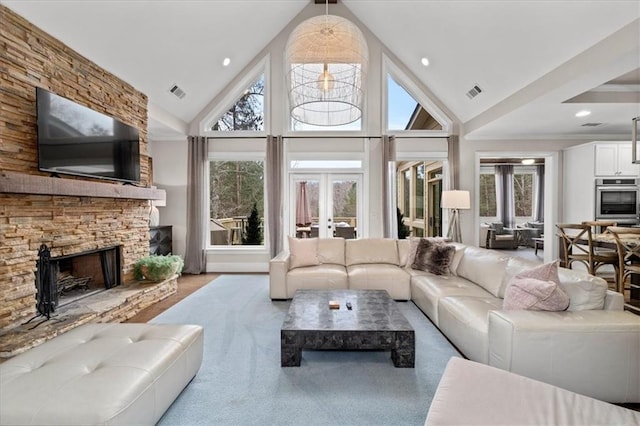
(455, 200)
(326, 61)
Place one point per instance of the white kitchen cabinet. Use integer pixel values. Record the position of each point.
(614, 159)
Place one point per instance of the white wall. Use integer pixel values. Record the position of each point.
(170, 174)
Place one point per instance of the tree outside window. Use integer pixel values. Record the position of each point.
(235, 187)
(487, 194)
(247, 113)
(523, 194)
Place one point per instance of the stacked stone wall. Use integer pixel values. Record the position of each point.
(31, 58)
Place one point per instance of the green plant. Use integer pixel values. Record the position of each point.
(403, 230)
(158, 268)
(253, 234)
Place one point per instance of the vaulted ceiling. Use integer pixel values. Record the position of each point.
(537, 62)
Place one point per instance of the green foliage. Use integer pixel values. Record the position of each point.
(158, 268)
(403, 230)
(253, 234)
(235, 186)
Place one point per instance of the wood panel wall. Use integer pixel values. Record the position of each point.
(31, 58)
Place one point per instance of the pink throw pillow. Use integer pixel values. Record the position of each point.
(535, 295)
(536, 289)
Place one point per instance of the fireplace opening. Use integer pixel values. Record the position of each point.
(66, 279)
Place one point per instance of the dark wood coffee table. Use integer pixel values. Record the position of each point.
(373, 323)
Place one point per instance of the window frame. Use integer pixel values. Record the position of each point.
(217, 152)
(228, 99)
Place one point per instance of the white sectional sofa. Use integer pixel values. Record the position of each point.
(592, 348)
(491, 396)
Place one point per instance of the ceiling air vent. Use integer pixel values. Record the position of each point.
(591, 124)
(475, 91)
(177, 91)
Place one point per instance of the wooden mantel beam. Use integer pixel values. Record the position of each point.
(21, 183)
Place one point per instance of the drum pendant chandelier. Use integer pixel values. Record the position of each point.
(326, 61)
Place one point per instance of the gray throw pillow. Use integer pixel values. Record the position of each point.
(433, 257)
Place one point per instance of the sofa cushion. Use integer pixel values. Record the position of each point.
(465, 322)
(483, 267)
(321, 277)
(427, 289)
(535, 295)
(304, 252)
(434, 257)
(331, 250)
(403, 252)
(457, 257)
(381, 276)
(585, 291)
(372, 250)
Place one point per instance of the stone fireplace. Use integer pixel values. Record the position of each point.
(71, 216)
(66, 279)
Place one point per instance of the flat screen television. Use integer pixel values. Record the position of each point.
(76, 140)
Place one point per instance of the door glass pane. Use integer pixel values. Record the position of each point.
(407, 193)
(307, 208)
(435, 218)
(420, 192)
(345, 208)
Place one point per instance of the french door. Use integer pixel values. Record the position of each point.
(334, 201)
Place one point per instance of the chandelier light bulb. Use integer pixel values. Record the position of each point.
(326, 80)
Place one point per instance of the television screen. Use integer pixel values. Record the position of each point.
(76, 140)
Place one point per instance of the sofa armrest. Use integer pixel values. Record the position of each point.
(613, 301)
(593, 352)
(278, 268)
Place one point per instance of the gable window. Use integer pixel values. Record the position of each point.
(247, 113)
(404, 112)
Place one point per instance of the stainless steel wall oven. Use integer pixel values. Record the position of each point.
(617, 199)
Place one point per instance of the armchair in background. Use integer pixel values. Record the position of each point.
(529, 231)
(499, 238)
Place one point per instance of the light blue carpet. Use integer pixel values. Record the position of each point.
(241, 381)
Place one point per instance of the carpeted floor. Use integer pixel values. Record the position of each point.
(241, 381)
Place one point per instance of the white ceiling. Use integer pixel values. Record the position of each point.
(528, 56)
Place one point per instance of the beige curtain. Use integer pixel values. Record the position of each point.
(275, 160)
(195, 255)
(389, 217)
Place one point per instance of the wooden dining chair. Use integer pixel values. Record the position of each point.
(578, 245)
(599, 227)
(628, 243)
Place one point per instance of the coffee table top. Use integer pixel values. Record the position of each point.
(372, 310)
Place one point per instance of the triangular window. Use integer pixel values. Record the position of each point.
(404, 112)
(247, 113)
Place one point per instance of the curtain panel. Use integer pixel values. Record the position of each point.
(275, 168)
(505, 200)
(538, 194)
(195, 254)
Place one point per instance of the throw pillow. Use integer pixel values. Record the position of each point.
(413, 247)
(545, 272)
(303, 252)
(434, 257)
(535, 295)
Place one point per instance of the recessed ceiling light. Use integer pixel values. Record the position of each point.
(583, 113)
(528, 161)
(226, 62)
(425, 62)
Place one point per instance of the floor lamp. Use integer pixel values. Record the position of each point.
(455, 200)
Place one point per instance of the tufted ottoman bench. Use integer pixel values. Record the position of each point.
(101, 374)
